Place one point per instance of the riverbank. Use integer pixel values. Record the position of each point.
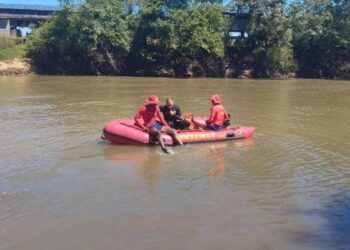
(17, 66)
(22, 66)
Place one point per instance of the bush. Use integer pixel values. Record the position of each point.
(94, 39)
(11, 48)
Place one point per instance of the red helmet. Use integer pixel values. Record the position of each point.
(152, 99)
(216, 99)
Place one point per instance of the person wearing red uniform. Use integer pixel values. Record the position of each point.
(150, 119)
(217, 115)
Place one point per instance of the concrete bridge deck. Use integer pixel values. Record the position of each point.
(15, 17)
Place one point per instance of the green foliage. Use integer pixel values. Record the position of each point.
(11, 48)
(268, 48)
(52, 47)
(197, 39)
(105, 35)
(187, 37)
(6, 42)
(198, 30)
(322, 38)
(178, 38)
(94, 39)
(149, 44)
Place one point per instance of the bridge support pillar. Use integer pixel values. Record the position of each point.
(5, 28)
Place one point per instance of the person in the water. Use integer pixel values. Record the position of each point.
(150, 119)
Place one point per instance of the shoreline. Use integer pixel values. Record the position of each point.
(22, 67)
(15, 67)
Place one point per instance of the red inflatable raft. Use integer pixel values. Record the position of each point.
(124, 132)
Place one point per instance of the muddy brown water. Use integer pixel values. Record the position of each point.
(61, 187)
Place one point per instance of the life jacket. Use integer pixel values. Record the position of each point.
(218, 115)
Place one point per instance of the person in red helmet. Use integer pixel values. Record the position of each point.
(150, 119)
(218, 116)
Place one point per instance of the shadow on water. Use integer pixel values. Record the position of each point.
(333, 217)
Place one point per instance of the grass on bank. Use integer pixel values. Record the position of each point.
(11, 48)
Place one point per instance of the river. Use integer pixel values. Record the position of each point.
(62, 187)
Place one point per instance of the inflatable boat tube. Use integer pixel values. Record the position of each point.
(124, 132)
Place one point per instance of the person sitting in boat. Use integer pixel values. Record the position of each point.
(173, 116)
(218, 119)
(150, 119)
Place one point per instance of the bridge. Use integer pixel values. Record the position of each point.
(15, 18)
(239, 22)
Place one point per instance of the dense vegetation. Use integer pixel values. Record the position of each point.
(309, 38)
(11, 48)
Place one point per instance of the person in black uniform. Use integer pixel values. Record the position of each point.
(173, 116)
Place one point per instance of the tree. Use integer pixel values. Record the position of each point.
(172, 40)
(321, 38)
(52, 47)
(104, 34)
(149, 51)
(187, 37)
(91, 39)
(268, 48)
(197, 38)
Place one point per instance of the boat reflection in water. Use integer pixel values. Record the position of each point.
(149, 162)
(133, 164)
(219, 150)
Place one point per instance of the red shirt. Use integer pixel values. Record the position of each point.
(148, 115)
(217, 115)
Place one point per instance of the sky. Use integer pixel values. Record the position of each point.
(40, 2)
